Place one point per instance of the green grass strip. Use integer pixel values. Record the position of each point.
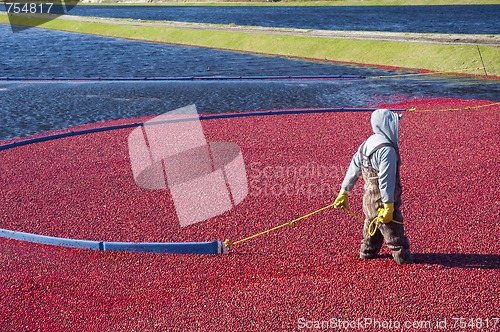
(422, 56)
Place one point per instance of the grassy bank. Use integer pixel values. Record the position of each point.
(422, 56)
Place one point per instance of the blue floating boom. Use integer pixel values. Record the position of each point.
(186, 78)
(192, 248)
(201, 117)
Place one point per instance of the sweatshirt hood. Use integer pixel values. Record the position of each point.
(386, 123)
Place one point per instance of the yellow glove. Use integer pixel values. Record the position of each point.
(385, 213)
(341, 202)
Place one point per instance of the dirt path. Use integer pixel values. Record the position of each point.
(364, 35)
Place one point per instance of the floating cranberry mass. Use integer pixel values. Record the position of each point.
(82, 187)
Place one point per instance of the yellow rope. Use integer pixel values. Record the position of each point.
(292, 223)
(413, 109)
(353, 214)
(373, 226)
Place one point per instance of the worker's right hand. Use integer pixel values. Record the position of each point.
(341, 202)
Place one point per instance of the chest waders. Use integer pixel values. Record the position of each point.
(392, 233)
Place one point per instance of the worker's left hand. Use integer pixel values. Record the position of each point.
(385, 214)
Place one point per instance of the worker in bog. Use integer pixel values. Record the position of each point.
(378, 161)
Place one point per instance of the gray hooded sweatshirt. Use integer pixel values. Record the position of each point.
(385, 126)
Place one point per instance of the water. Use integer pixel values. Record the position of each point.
(27, 108)
(471, 19)
(46, 53)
